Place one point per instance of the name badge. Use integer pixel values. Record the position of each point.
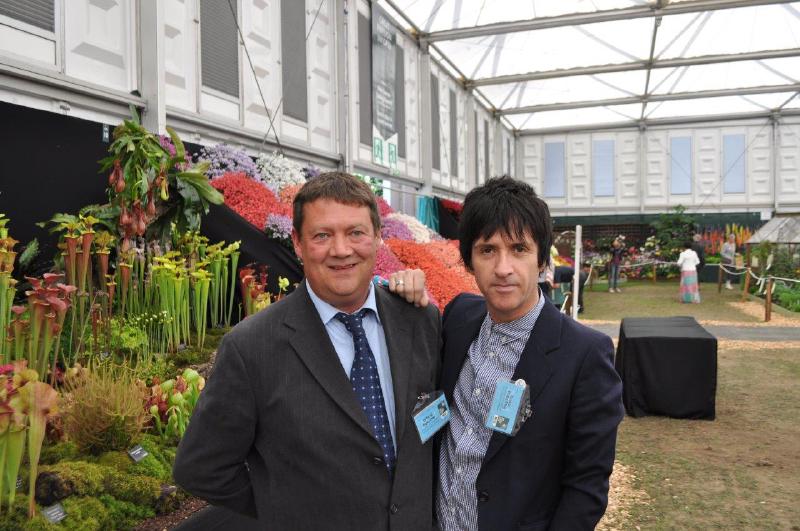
(511, 406)
(431, 414)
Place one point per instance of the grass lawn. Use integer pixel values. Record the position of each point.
(645, 299)
(738, 472)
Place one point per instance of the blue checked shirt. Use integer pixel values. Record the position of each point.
(492, 356)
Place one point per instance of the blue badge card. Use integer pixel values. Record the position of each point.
(431, 414)
(510, 407)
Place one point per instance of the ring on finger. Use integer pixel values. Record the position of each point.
(399, 283)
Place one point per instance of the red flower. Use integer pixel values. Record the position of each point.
(444, 272)
(250, 199)
(383, 207)
(454, 207)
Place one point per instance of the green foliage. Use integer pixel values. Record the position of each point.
(30, 252)
(141, 490)
(123, 514)
(783, 263)
(62, 451)
(126, 337)
(150, 466)
(673, 230)
(788, 297)
(106, 412)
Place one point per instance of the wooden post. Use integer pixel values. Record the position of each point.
(654, 272)
(746, 289)
(768, 301)
(719, 278)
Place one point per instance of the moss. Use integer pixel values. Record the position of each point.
(63, 451)
(86, 514)
(157, 464)
(150, 466)
(75, 478)
(141, 490)
(125, 515)
(189, 356)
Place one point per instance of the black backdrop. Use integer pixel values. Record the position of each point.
(49, 164)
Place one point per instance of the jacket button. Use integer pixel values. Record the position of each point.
(483, 496)
(377, 460)
(394, 508)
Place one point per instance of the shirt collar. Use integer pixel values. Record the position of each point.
(521, 327)
(327, 311)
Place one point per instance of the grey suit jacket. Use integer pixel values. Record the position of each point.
(279, 434)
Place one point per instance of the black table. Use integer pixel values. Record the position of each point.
(668, 366)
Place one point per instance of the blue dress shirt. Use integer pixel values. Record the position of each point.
(343, 345)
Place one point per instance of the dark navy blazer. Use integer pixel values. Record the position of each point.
(554, 473)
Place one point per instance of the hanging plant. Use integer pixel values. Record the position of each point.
(151, 186)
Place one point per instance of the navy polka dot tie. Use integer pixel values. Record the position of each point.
(367, 384)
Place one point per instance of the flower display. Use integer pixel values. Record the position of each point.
(386, 262)
(395, 228)
(166, 143)
(223, 159)
(454, 207)
(287, 194)
(383, 207)
(279, 227)
(278, 172)
(311, 171)
(419, 232)
(249, 199)
(445, 279)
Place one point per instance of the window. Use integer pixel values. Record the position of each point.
(436, 156)
(603, 168)
(364, 81)
(734, 154)
(293, 59)
(38, 13)
(219, 47)
(554, 169)
(453, 134)
(681, 165)
(400, 100)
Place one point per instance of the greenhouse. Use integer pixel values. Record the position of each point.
(399, 264)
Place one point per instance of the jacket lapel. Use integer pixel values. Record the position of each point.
(458, 341)
(534, 365)
(313, 346)
(399, 341)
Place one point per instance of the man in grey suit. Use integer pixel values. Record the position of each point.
(306, 422)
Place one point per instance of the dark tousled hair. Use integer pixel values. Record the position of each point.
(340, 187)
(509, 206)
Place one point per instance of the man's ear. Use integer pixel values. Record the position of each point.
(296, 243)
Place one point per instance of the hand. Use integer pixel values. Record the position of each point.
(410, 284)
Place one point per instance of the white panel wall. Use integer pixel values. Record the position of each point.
(99, 42)
(180, 54)
(642, 166)
(260, 23)
(321, 75)
(578, 170)
(531, 161)
(789, 164)
(411, 57)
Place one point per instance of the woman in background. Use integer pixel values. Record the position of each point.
(613, 272)
(728, 254)
(688, 262)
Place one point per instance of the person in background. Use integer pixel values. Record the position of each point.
(728, 254)
(617, 251)
(699, 248)
(688, 262)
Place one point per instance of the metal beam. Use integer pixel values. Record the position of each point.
(744, 91)
(636, 65)
(574, 19)
(646, 123)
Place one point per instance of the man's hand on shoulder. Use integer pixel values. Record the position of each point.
(410, 285)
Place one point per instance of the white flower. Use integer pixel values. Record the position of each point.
(277, 172)
(420, 232)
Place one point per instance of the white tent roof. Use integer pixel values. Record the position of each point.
(578, 63)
